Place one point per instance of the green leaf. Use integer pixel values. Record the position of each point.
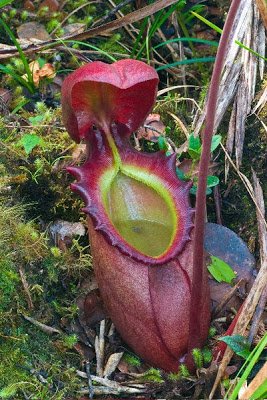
(212, 181)
(220, 270)
(194, 154)
(194, 147)
(238, 344)
(3, 3)
(194, 143)
(215, 141)
(36, 120)
(29, 141)
(162, 143)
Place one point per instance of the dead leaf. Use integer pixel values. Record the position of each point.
(47, 71)
(28, 5)
(72, 29)
(112, 364)
(52, 5)
(91, 308)
(157, 128)
(85, 351)
(63, 232)
(32, 30)
(5, 95)
(65, 229)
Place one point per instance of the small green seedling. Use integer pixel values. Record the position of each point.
(198, 358)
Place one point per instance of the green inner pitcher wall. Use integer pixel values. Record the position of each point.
(139, 213)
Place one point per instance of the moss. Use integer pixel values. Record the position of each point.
(33, 363)
(31, 356)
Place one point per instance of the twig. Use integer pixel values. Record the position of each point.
(174, 54)
(260, 211)
(102, 381)
(226, 298)
(26, 288)
(89, 379)
(45, 328)
(136, 142)
(111, 387)
(257, 316)
(217, 199)
(180, 123)
(103, 390)
(99, 349)
(115, 9)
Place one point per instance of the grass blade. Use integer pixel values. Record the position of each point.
(188, 39)
(185, 62)
(219, 30)
(247, 367)
(22, 55)
(16, 77)
(90, 46)
(159, 20)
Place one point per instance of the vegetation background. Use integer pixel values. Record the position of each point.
(48, 342)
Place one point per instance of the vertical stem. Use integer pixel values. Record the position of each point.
(198, 244)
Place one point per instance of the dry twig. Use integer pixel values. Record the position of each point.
(45, 328)
(89, 379)
(26, 288)
(111, 387)
(100, 349)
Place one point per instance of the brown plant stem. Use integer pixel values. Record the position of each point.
(198, 244)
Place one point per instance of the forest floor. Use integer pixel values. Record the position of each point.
(50, 308)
